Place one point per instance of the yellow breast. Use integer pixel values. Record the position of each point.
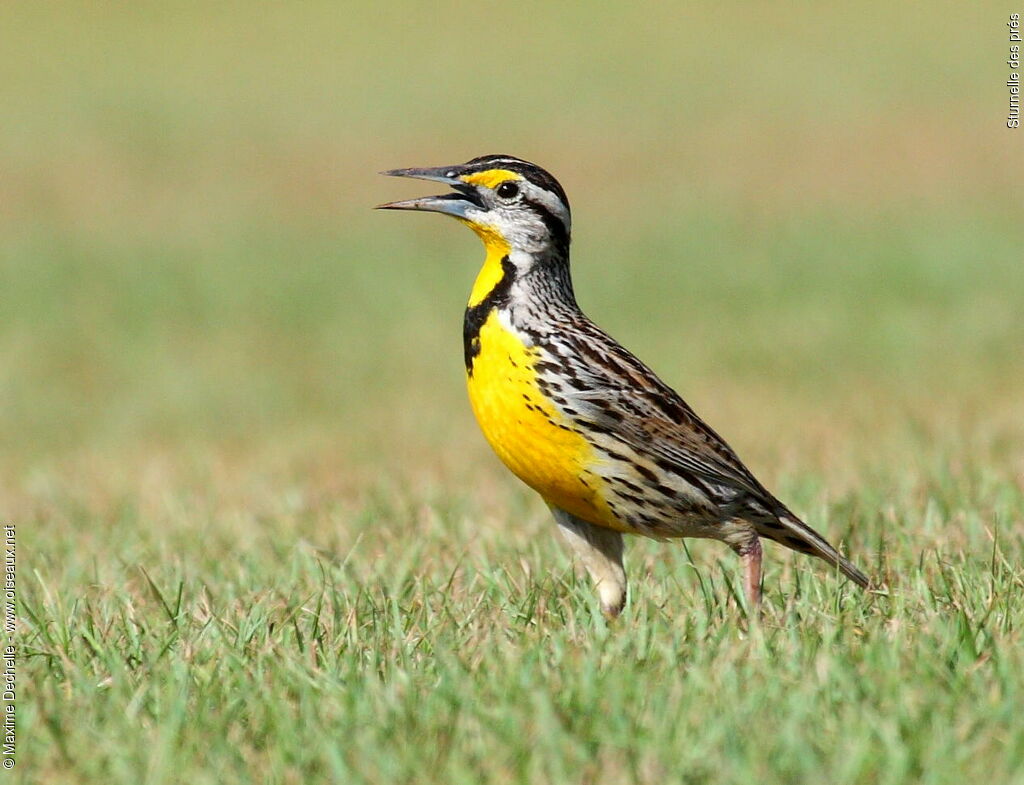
(527, 432)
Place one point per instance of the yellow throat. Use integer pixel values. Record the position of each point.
(523, 427)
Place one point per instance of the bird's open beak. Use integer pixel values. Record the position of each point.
(464, 199)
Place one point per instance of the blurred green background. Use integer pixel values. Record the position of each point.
(221, 368)
(805, 217)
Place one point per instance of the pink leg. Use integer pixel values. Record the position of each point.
(751, 556)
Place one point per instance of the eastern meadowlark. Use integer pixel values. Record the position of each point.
(611, 448)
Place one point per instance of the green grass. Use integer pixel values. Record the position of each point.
(259, 536)
(421, 650)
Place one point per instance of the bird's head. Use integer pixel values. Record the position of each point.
(515, 206)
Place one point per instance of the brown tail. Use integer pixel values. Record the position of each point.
(797, 535)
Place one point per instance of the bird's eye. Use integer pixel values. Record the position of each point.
(507, 190)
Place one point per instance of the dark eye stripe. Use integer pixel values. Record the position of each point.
(557, 230)
(529, 171)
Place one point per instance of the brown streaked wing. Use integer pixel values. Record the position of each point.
(631, 404)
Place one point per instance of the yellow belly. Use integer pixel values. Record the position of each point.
(522, 427)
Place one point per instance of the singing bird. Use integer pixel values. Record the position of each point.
(608, 445)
